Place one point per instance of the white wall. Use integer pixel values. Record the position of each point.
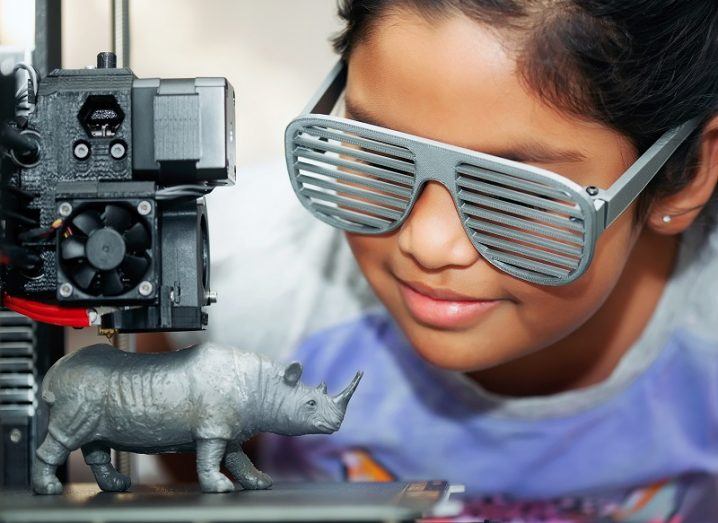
(17, 24)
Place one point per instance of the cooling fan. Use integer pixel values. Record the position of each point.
(105, 251)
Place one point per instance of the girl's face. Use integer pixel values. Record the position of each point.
(455, 81)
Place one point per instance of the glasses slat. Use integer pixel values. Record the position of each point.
(521, 210)
(484, 226)
(353, 204)
(569, 263)
(322, 145)
(340, 136)
(535, 201)
(506, 219)
(353, 190)
(336, 161)
(539, 267)
(353, 178)
(513, 182)
(363, 219)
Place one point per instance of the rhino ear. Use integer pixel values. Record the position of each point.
(292, 373)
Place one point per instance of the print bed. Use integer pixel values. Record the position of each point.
(396, 501)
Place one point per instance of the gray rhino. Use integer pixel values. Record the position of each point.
(207, 398)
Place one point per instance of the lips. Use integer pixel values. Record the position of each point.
(443, 308)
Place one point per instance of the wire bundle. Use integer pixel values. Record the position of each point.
(24, 102)
(183, 191)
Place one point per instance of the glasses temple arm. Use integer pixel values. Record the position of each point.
(326, 97)
(626, 189)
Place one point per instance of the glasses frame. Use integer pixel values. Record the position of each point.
(438, 161)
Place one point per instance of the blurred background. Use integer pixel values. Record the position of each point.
(274, 52)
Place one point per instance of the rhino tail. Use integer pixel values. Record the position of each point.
(47, 393)
(49, 383)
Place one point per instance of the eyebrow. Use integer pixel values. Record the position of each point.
(523, 152)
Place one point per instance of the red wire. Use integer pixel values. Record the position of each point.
(44, 307)
(46, 313)
(54, 320)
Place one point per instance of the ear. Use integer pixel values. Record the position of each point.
(683, 207)
(292, 373)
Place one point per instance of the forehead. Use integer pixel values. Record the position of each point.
(457, 81)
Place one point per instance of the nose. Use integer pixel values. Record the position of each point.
(433, 234)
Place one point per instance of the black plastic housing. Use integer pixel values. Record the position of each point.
(105, 136)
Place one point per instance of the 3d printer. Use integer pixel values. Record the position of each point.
(101, 221)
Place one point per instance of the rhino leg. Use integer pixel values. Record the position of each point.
(47, 458)
(209, 457)
(97, 456)
(244, 470)
(70, 425)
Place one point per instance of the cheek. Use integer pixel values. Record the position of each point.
(545, 315)
(372, 254)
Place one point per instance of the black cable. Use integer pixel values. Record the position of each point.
(19, 217)
(19, 192)
(12, 139)
(17, 257)
(7, 98)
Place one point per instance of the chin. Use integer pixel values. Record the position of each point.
(455, 351)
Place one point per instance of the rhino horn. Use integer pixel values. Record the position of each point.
(322, 388)
(342, 399)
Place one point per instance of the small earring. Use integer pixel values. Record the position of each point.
(667, 218)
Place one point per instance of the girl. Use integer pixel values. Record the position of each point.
(602, 386)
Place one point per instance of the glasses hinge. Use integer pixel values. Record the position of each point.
(601, 210)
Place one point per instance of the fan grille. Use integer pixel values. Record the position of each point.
(105, 249)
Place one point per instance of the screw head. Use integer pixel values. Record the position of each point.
(65, 209)
(15, 435)
(144, 207)
(145, 288)
(66, 290)
(118, 150)
(81, 150)
(592, 190)
(211, 297)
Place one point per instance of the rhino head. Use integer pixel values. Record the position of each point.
(310, 410)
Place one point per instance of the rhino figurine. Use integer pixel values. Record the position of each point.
(207, 398)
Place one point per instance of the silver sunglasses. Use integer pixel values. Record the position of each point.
(532, 223)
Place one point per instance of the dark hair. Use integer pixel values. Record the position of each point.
(640, 67)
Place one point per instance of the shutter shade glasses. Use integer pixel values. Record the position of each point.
(529, 222)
